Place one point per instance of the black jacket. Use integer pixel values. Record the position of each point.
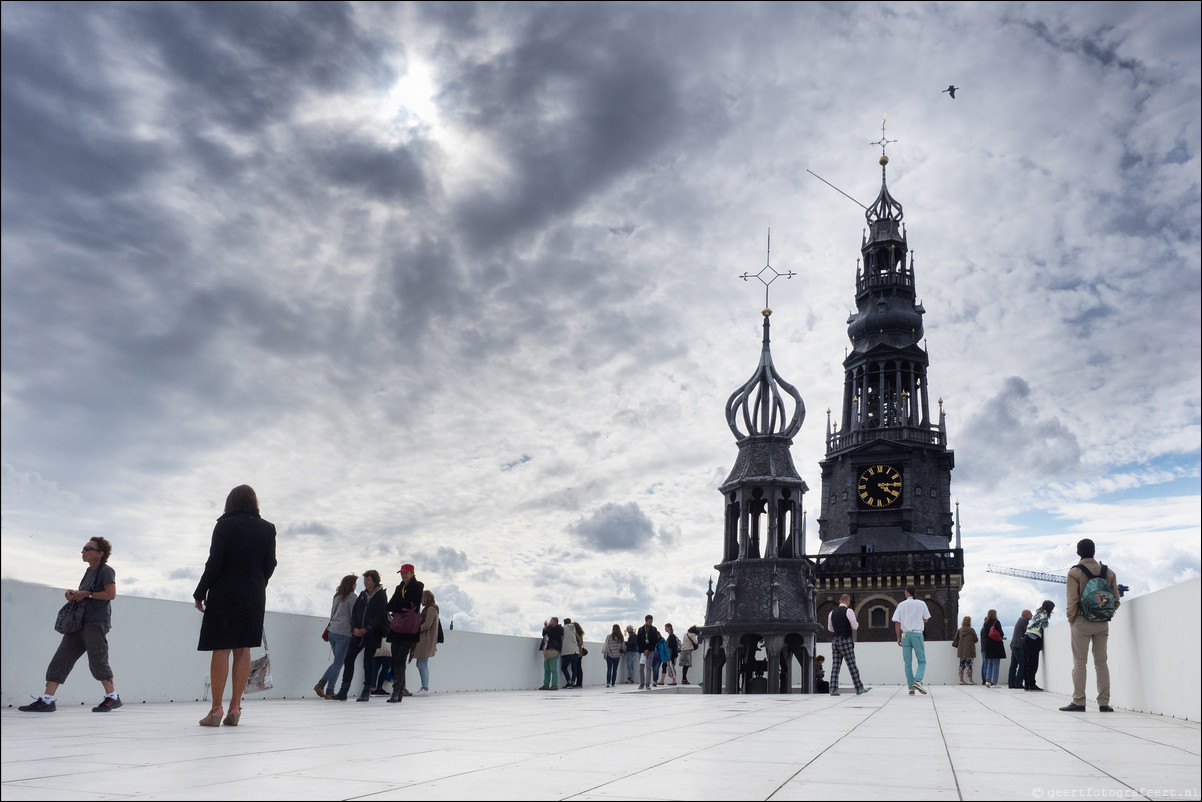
(632, 642)
(371, 613)
(554, 636)
(648, 637)
(674, 646)
(993, 649)
(406, 598)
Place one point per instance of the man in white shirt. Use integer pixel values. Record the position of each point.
(909, 620)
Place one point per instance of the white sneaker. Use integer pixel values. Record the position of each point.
(918, 687)
(422, 692)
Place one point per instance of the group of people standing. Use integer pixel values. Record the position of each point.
(407, 622)
(993, 649)
(562, 646)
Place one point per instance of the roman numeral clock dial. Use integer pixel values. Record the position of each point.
(879, 486)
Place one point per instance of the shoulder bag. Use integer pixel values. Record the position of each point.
(406, 622)
(70, 615)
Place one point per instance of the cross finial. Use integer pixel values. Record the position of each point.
(767, 274)
(883, 141)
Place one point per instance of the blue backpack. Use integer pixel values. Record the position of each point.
(1097, 597)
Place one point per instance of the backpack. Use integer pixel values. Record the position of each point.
(1097, 597)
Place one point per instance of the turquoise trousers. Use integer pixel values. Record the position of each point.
(913, 642)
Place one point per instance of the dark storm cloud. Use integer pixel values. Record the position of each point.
(568, 113)
(247, 65)
(615, 527)
(1010, 436)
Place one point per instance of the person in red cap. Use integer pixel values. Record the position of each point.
(406, 601)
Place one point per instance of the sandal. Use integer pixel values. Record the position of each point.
(213, 719)
(232, 719)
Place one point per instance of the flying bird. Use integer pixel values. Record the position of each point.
(951, 90)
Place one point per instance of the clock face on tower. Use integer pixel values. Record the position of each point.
(879, 486)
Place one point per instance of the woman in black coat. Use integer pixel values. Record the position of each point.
(406, 597)
(232, 594)
(993, 649)
(369, 623)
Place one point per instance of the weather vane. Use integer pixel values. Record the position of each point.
(767, 274)
(882, 141)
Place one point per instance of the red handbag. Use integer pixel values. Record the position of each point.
(325, 634)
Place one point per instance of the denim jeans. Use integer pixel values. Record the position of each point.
(570, 665)
(338, 643)
(989, 669)
(423, 671)
(611, 670)
(914, 643)
(632, 660)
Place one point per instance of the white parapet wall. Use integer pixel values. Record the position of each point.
(152, 651)
(1153, 658)
(1153, 665)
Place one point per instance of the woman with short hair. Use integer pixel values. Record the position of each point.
(406, 600)
(96, 590)
(232, 594)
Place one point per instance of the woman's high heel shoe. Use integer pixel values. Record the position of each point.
(213, 719)
(232, 719)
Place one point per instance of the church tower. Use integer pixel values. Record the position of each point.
(760, 618)
(886, 517)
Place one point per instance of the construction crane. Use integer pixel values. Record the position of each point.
(1040, 575)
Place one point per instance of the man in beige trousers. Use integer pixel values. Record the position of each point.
(1087, 633)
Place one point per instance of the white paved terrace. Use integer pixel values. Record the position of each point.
(957, 743)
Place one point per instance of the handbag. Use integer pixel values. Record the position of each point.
(70, 618)
(995, 634)
(70, 615)
(406, 622)
(325, 634)
(260, 671)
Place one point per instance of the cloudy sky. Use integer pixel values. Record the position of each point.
(457, 284)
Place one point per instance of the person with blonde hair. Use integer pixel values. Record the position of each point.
(427, 643)
(965, 642)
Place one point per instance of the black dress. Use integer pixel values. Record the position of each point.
(234, 583)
